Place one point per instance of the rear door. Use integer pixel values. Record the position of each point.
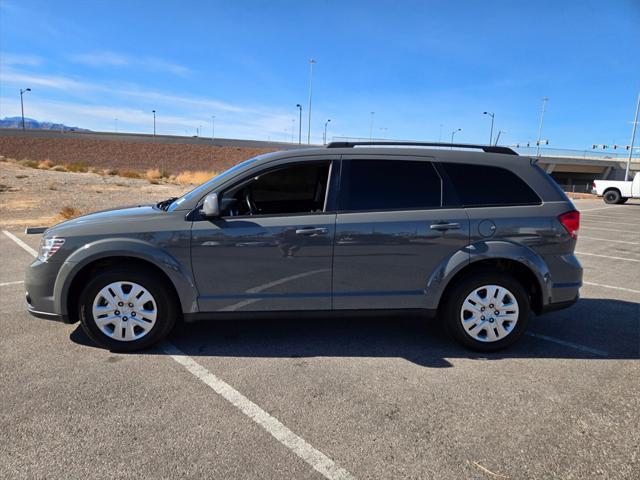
(392, 231)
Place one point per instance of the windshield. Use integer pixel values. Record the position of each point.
(207, 186)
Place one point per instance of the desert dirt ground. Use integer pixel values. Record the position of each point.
(126, 155)
(34, 197)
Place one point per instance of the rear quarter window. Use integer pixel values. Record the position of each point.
(482, 185)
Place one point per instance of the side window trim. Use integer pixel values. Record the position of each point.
(274, 168)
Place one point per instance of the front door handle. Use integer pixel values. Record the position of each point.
(442, 226)
(312, 231)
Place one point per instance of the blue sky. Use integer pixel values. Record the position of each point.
(417, 65)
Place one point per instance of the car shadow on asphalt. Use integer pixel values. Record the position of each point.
(591, 329)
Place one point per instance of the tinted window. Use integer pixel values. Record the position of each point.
(389, 184)
(478, 185)
(295, 189)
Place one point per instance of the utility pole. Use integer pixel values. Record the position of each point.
(633, 140)
(299, 107)
(312, 62)
(213, 127)
(544, 106)
(116, 124)
(22, 92)
(154, 122)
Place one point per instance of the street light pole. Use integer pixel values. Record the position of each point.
(493, 116)
(116, 124)
(154, 122)
(453, 133)
(324, 137)
(371, 126)
(213, 127)
(544, 106)
(22, 92)
(311, 63)
(633, 139)
(299, 107)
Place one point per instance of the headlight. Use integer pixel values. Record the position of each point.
(48, 247)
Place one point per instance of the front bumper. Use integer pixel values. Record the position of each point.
(39, 281)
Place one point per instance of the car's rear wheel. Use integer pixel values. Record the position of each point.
(126, 309)
(612, 196)
(487, 311)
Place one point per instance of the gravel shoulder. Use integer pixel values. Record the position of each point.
(33, 197)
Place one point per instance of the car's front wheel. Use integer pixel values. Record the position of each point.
(487, 311)
(126, 309)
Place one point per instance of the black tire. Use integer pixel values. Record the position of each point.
(612, 197)
(452, 310)
(165, 301)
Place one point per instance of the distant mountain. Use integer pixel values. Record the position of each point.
(32, 124)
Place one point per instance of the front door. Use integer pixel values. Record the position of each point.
(392, 232)
(272, 247)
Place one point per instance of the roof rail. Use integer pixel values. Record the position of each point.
(486, 148)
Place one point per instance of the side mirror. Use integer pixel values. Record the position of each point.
(211, 206)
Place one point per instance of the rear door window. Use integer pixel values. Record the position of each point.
(482, 185)
(389, 185)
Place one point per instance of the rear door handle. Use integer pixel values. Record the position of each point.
(442, 226)
(312, 231)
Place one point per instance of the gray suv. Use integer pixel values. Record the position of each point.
(475, 235)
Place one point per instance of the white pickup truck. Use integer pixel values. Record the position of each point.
(617, 191)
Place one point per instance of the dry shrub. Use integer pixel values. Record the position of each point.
(109, 171)
(77, 167)
(52, 186)
(59, 168)
(197, 177)
(45, 164)
(153, 174)
(28, 163)
(3, 158)
(129, 174)
(68, 212)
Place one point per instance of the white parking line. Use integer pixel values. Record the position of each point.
(594, 209)
(603, 221)
(611, 286)
(608, 240)
(4, 284)
(582, 227)
(609, 256)
(21, 243)
(594, 351)
(315, 458)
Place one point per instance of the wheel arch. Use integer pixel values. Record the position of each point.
(494, 256)
(101, 256)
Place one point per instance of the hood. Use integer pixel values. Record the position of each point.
(118, 220)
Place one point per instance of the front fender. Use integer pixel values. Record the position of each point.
(487, 250)
(180, 275)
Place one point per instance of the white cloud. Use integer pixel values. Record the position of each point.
(9, 59)
(113, 59)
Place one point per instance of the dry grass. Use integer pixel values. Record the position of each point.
(59, 168)
(129, 174)
(77, 167)
(68, 212)
(28, 163)
(196, 177)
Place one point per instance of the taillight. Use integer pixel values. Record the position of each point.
(571, 222)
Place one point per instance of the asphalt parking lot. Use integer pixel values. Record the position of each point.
(362, 398)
